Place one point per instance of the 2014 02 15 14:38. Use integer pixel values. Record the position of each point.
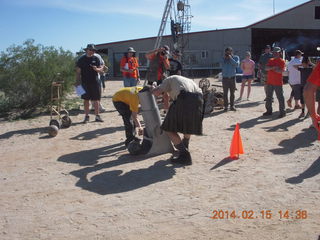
(262, 214)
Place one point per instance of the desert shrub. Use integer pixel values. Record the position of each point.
(26, 74)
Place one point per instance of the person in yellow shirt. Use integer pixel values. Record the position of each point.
(126, 102)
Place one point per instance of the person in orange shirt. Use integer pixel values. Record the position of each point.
(275, 68)
(129, 67)
(313, 83)
(158, 66)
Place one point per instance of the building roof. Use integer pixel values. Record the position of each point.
(278, 14)
(207, 31)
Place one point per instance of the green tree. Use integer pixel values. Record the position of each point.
(26, 74)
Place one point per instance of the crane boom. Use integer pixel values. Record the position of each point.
(164, 19)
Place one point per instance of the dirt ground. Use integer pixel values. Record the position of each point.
(83, 184)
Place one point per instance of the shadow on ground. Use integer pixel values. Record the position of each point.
(302, 140)
(91, 157)
(312, 171)
(115, 181)
(31, 131)
(223, 162)
(96, 133)
(252, 122)
(283, 127)
(247, 104)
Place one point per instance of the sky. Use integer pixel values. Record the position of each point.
(72, 24)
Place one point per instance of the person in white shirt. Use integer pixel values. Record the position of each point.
(295, 79)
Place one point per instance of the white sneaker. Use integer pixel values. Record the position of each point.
(239, 99)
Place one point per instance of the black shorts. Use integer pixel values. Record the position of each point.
(185, 115)
(296, 91)
(93, 91)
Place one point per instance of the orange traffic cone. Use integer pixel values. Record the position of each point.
(236, 147)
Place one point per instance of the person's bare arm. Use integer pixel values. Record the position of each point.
(78, 76)
(137, 123)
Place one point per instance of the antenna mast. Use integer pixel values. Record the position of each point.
(164, 20)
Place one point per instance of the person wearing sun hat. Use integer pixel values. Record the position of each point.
(129, 66)
(88, 67)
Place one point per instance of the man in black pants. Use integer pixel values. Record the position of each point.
(126, 101)
(229, 64)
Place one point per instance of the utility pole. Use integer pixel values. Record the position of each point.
(274, 8)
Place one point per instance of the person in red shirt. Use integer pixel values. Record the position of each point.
(313, 83)
(275, 67)
(129, 67)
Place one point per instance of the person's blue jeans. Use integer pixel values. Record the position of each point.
(129, 82)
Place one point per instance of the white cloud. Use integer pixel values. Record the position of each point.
(149, 8)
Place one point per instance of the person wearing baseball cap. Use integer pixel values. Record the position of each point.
(159, 64)
(229, 64)
(129, 66)
(275, 68)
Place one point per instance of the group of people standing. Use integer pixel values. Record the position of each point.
(185, 113)
(303, 77)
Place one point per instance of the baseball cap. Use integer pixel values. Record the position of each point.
(298, 52)
(276, 49)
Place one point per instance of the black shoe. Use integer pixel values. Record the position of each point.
(86, 119)
(183, 158)
(267, 113)
(233, 109)
(281, 115)
(98, 118)
(129, 140)
(225, 109)
(302, 115)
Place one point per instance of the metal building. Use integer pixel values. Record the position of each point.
(295, 28)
